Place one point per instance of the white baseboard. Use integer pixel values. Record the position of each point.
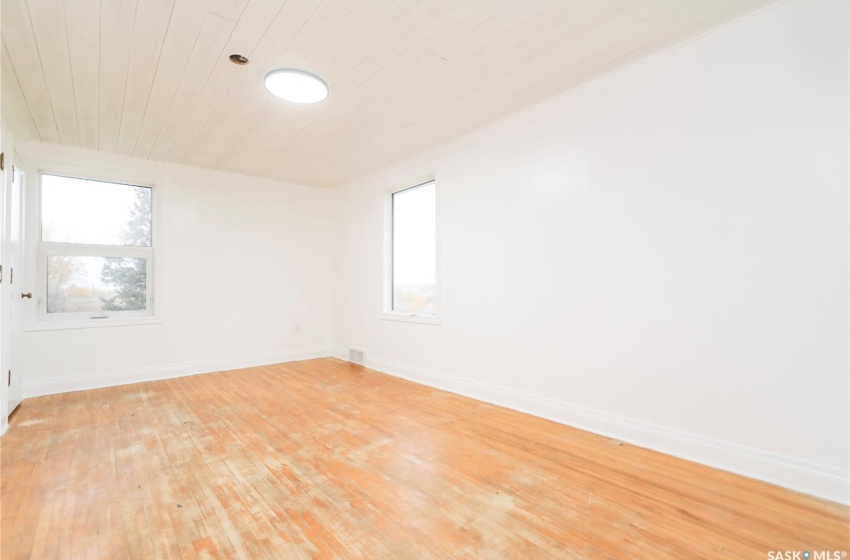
(83, 382)
(817, 480)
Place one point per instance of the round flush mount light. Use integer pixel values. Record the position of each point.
(296, 86)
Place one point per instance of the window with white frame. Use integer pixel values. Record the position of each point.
(95, 249)
(413, 254)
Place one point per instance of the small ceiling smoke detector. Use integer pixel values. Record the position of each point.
(238, 59)
(296, 86)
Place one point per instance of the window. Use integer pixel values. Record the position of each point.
(95, 250)
(413, 253)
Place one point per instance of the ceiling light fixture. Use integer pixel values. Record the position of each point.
(296, 86)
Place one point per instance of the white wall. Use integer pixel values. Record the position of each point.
(242, 261)
(661, 255)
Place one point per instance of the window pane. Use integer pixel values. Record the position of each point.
(94, 212)
(96, 284)
(415, 249)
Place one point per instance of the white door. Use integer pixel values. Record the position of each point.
(12, 290)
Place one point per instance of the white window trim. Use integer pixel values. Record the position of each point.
(36, 317)
(387, 312)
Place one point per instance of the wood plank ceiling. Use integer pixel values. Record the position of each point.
(151, 78)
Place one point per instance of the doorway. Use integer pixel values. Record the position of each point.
(12, 293)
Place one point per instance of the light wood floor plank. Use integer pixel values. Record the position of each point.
(322, 459)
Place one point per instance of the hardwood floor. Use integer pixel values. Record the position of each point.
(322, 459)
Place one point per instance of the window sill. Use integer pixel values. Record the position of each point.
(409, 318)
(90, 323)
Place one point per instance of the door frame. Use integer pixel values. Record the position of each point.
(15, 315)
(10, 285)
(4, 415)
